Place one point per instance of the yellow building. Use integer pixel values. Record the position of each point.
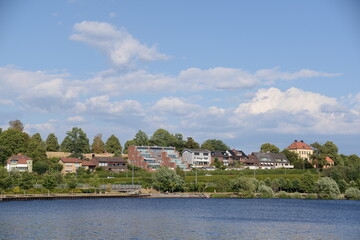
(302, 149)
(70, 165)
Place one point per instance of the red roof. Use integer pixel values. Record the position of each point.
(88, 163)
(329, 160)
(299, 145)
(21, 159)
(70, 160)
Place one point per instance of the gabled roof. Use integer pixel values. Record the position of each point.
(270, 156)
(70, 160)
(299, 145)
(196, 150)
(21, 159)
(329, 160)
(88, 163)
(220, 154)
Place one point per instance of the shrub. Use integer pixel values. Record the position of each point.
(352, 193)
(296, 195)
(282, 194)
(311, 196)
(266, 192)
(327, 188)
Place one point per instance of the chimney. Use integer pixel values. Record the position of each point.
(295, 140)
(93, 155)
(302, 141)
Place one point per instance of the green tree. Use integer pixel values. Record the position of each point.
(40, 167)
(161, 137)
(98, 145)
(141, 138)
(352, 193)
(244, 185)
(113, 144)
(52, 144)
(191, 144)
(268, 147)
(66, 144)
(17, 125)
(26, 181)
(49, 182)
(266, 192)
(5, 179)
(128, 144)
(294, 159)
(36, 148)
(327, 188)
(72, 182)
(166, 179)
(214, 145)
(95, 182)
(343, 185)
(79, 143)
(12, 142)
(222, 184)
(307, 183)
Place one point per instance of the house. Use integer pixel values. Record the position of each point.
(151, 158)
(20, 163)
(261, 160)
(89, 165)
(197, 157)
(114, 164)
(238, 155)
(229, 157)
(302, 149)
(329, 162)
(70, 165)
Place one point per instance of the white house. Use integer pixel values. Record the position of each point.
(20, 163)
(197, 157)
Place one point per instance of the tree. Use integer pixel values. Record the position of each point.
(52, 144)
(12, 142)
(26, 181)
(66, 144)
(98, 145)
(327, 188)
(268, 147)
(128, 144)
(17, 125)
(294, 159)
(214, 145)
(141, 138)
(40, 167)
(166, 179)
(352, 193)
(191, 144)
(113, 144)
(178, 142)
(243, 184)
(5, 179)
(36, 148)
(95, 182)
(161, 137)
(307, 183)
(72, 182)
(79, 142)
(266, 192)
(49, 182)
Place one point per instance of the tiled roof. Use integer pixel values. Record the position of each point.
(109, 159)
(22, 159)
(88, 163)
(70, 160)
(329, 160)
(299, 145)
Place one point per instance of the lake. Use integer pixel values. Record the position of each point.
(180, 219)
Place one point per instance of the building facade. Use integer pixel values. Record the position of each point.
(151, 158)
(19, 163)
(302, 149)
(70, 165)
(114, 164)
(261, 160)
(197, 157)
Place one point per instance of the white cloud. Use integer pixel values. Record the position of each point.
(275, 74)
(121, 47)
(174, 105)
(76, 119)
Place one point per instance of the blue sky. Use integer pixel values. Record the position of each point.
(245, 72)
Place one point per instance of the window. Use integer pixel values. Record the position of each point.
(206, 154)
(196, 153)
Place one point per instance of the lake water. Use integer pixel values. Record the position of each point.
(180, 219)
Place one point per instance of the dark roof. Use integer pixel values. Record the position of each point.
(220, 154)
(196, 150)
(70, 160)
(270, 156)
(109, 159)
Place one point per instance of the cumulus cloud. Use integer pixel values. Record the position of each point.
(76, 119)
(119, 46)
(174, 105)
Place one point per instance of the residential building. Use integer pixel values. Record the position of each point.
(302, 149)
(70, 165)
(229, 157)
(20, 163)
(261, 160)
(114, 164)
(197, 157)
(151, 158)
(89, 165)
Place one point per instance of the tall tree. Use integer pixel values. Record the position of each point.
(294, 159)
(113, 144)
(268, 147)
(214, 145)
(141, 138)
(12, 142)
(79, 143)
(178, 142)
(52, 144)
(98, 145)
(36, 148)
(128, 144)
(66, 144)
(191, 144)
(161, 137)
(17, 125)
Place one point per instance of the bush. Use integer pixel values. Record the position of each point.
(311, 196)
(352, 193)
(266, 192)
(296, 195)
(327, 188)
(282, 194)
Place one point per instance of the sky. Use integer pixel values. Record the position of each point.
(245, 72)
